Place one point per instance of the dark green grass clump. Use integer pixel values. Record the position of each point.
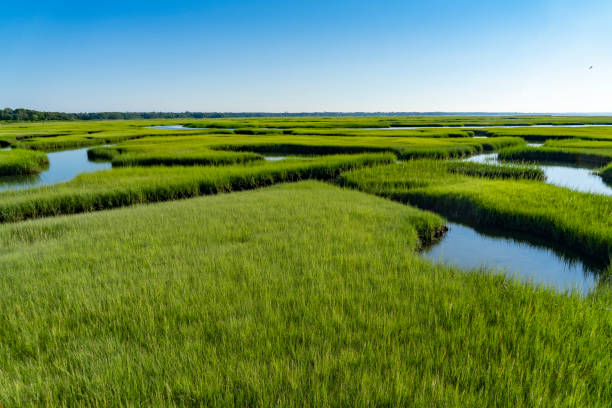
(133, 185)
(279, 297)
(590, 157)
(519, 171)
(172, 151)
(103, 153)
(428, 133)
(18, 162)
(540, 134)
(409, 148)
(576, 220)
(606, 173)
(209, 158)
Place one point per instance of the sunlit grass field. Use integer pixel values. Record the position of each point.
(163, 282)
(282, 296)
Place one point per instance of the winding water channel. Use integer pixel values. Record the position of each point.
(522, 256)
(518, 255)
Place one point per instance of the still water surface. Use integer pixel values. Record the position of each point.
(519, 257)
(63, 166)
(575, 178)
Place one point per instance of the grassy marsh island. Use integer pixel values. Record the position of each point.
(574, 151)
(19, 162)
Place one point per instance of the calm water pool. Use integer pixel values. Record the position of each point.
(63, 166)
(519, 257)
(574, 178)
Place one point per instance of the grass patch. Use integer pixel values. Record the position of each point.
(571, 219)
(202, 158)
(201, 145)
(575, 151)
(178, 152)
(539, 134)
(404, 147)
(516, 171)
(17, 162)
(62, 136)
(606, 173)
(429, 132)
(279, 297)
(133, 185)
(395, 121)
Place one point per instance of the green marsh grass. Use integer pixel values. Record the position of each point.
(576, 220)
(606, 173)
(19, 162)
(74, 141)
(201, 158)
(394, 121)
(300, 294)
(540, 134)
(165, 147)
(133, 185)
(513, 171)
(279, 297)
(178, 152)
(429, 132)
(404, 147)
(71, 135)
(575, 151)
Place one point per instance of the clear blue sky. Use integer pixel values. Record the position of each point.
(529, 56)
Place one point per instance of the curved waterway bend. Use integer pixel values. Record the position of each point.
(63, 166)
(520, 257)
(571, 177)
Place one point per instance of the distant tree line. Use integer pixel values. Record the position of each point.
(29, 115)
